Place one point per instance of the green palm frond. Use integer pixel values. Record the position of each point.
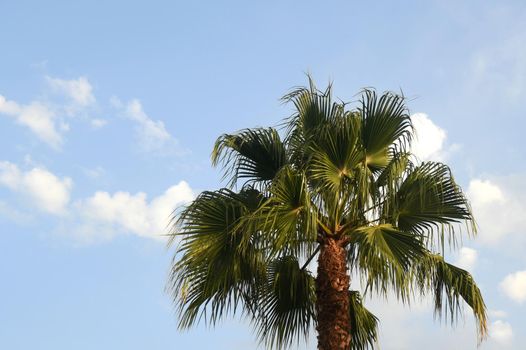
(335, 152)
(313, 110)
(383, 255)
(395, 170)
(253, 154)
(219, 262)
(385, 123)
(450, 285)
(429, 200)
(285, 308)
(288, 218)
(312, 107)
(364, 325)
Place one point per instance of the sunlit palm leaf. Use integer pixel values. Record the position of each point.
(313, 110)
(335, 152)
(385, 121)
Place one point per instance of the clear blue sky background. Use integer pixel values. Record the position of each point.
(105, 105)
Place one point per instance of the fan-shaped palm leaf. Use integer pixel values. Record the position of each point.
(335, 152)
(288, 218)
(219, 261)
(285, 308)
(429, 200)
(385, 121)
(384, 255)
(254, 154)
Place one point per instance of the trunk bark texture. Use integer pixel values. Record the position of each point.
(332, 298)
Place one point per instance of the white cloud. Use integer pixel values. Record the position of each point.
(467, 258)
(430, 138)
(514, 286)
(41, 120)
(46, 119)
(485, 192)
(46, 191)
(9, 107)
(78, 90)
(125, 212)
(501, 332)
(38, 117)
(102, 215)
(498, 206)
(430, 141)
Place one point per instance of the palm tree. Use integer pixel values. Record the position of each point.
(341, 186)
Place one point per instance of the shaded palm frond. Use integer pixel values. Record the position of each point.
(219, 263)
(364, 324)
(252, 154)
(450, 285)
(383, 255)
(285, 308)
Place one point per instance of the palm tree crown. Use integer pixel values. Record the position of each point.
(340, 185)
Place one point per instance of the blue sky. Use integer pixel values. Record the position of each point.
(109, 110)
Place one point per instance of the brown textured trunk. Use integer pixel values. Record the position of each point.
(332, 298)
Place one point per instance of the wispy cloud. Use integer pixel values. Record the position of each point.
(78, 90)
(98, 123)
(14, 215)
(152, 134)
(37, 117)
(499, 68)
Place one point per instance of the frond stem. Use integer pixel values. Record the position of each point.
(325, 228)
(311, 257)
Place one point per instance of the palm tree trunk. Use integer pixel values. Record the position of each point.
(332, 298)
